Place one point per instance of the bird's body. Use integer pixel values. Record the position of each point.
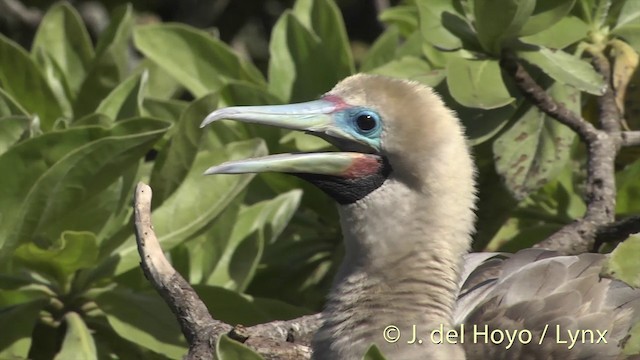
(406, 191)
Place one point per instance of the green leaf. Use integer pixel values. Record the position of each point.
(72, 252)
(198, 61)
(404, 17)
(300, 67)
(125, 100)
(565, 32)
(628, 194)
(54, 172)
(494, 31)
(23, 295)
(431, 28)
(628, 25)
(324, 19)
(383, 49)
(632, 345)
(623, 263)
(235, 308)
(175, 159)
(412, 68)
(462, 29)
(629, 14)
(63, 36)
(194, 205)
(566, 68)
(254, 225)
(164, 109)
(12, 128)
(57, 83)
(110, 64)
(534, 150)
(26, 84)
(21, 319)
(9, 106)
(78, 341)
(546, 14)
(227, 349)
(373, 353)
(143, 319)
(477, 83)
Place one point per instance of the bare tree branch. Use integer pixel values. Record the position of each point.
(602, 147)
(610, 119)
(618, 231)
(630, 138)
(275, 340)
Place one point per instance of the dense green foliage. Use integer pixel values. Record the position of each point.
(80, 125)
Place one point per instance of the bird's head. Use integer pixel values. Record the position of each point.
(384, 128)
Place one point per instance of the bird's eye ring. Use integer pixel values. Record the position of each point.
(366, 122)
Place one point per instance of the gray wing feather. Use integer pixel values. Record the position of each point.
(536, 289)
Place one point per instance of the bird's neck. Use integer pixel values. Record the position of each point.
(404, 249)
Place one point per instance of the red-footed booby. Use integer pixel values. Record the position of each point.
(404, 182)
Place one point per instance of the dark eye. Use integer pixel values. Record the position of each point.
(366, 122)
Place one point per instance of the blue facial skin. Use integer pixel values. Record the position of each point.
(348, 120)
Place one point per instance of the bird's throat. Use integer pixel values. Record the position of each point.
(401, 268)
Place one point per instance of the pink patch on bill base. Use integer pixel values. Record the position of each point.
(363, 165)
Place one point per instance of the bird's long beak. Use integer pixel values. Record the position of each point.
(314, 117)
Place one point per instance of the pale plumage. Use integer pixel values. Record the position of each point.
(407, 194)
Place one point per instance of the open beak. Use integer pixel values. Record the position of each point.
(320, 118)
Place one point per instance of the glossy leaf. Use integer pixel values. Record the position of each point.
(72, 252)
(324, 19)
(431, 14)
(566, 68)
(63, 36)
(176, 158)
(227, 349)
(494, 31)
(194, 205)
(411, 68)
(21, 319)
(125, 100)
(382, 50)
(169, 110)
(64, 168)
(9, 106)
(12, 128)
(536, 147)
(373, 353)
(198, 61)
(143, 319)
(565, 32)
(255, 225)
(404, 17)
(628, 25)
(300, 68)
(628, 195)
(623, 263)
(477, 83)
(110, 64)
(234, 308)
(546, 14)
(26, 84)
(78, 341)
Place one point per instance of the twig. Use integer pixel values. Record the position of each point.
(630, 138)
(618, 231)
(196, 323)
(602, 147)
(610, 119)
(275, 340)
